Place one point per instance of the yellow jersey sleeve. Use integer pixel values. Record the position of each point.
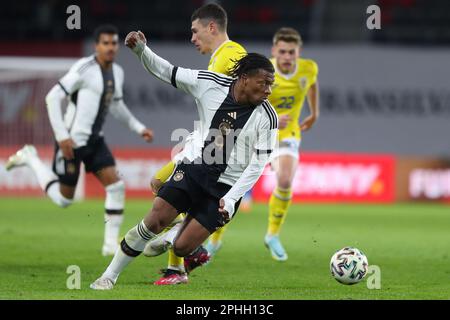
(225, 57)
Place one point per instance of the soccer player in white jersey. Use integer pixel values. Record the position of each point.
(238, 131)
(93, 86)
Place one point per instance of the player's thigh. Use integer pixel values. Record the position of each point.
(160, 216)
(167, 205)
(99, 160)
(191, 235)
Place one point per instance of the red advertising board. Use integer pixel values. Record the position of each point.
(335, 177)
(321, 177)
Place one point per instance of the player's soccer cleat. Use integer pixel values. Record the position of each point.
(196, 259)
(20, 157)
(109, 249)
(170, 277)
(213, 248)
(156, 246)
(102, 284)
(163, 242)
(276, 248)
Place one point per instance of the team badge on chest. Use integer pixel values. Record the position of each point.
(178, 176)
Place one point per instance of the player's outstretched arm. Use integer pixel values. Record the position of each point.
(154, 64)
(182, 78)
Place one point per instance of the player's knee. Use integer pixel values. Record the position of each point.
(54, 193)
(155, 185)
(284, 182)
(115, 196)
(155, 223)
(160, 217)
(181, 249)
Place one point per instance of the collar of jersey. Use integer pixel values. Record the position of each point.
(289, 75)
(220, 47)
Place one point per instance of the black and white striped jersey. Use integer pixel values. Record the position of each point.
(234, 140)
(91, 92)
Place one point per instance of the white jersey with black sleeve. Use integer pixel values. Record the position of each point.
(234, 140)
(91, 92)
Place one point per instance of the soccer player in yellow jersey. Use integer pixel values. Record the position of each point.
(209, 35)
(295, 80)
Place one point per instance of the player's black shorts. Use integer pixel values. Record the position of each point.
(95, 156)
(195, 190)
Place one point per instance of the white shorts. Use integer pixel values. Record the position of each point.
(290, 146)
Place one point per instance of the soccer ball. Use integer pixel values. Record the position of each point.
(349, 265)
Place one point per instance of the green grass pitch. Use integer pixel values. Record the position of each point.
(409, 242)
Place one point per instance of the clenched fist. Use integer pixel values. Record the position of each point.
(135, 40)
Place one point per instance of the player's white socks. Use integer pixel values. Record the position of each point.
(112, 229)
(131, 246)
(43, 173)
(48, 181)
(114, 204)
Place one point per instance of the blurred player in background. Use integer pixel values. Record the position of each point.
(209, 35)
(93, 86)
(295, 79)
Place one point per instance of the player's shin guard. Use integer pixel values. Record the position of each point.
(279, 203)
(48, 181)
(114, 205)
(131, 246)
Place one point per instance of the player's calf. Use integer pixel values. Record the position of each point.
(114, 205)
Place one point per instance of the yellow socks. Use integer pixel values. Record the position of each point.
(175, 262)
(279, 203)
(217, 236)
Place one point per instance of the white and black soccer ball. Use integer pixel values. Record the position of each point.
(349, 265)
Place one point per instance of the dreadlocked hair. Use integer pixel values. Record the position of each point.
(250, 64)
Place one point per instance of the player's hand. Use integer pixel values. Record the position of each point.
(147, 134)
(283, 121)
(308, 123)
(133, 38)
(66, 147)
(223, 212)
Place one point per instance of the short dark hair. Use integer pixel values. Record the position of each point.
(104, 28)
(250, 64)
(212, 11)
(287, 34)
